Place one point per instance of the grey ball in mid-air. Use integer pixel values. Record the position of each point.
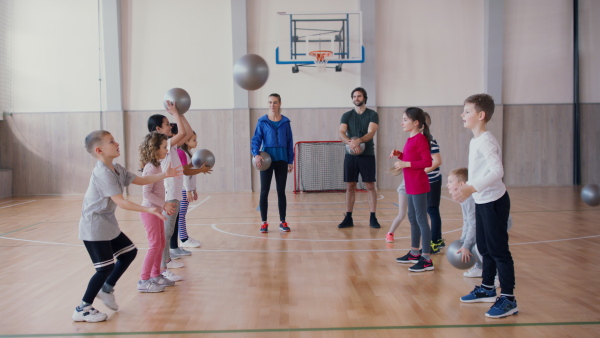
(250, 72)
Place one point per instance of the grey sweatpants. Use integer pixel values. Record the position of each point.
(169, 228)
(419, 225)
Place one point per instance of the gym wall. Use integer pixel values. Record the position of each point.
(429, 54)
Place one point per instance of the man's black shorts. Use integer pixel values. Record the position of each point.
(361, 164)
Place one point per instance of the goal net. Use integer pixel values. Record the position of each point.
(319, 167)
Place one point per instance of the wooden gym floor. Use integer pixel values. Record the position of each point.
(317, 281)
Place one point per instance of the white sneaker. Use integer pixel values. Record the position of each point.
(108, 299)
(174, 265)
(190, 243)
(162, 281)
(88, 314)
(180, 252)
(173, 256)
(149, 286)
(168, 274)
(473, 272)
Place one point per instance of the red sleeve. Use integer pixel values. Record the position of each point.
(424, 152)
(182, 156)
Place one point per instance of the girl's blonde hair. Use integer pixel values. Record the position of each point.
(148, 148)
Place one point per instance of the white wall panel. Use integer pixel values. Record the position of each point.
(538, 51)
(430, 53)
(177, 43)
(56, 56)
(589, 49)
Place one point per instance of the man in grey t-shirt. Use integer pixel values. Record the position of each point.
(357, 126)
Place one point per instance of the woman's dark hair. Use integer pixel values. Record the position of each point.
(154, 121)
(417, 114)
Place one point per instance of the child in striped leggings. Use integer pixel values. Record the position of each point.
(189, 193)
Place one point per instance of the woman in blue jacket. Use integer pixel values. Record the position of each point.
(274, 133)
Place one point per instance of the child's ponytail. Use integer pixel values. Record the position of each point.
(427, 134)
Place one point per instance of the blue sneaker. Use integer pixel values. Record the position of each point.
(479, 295)
(503, 307)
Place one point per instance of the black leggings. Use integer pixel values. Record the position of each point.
(173, 244)
(110, 275)
(280, 168)
(433, 209)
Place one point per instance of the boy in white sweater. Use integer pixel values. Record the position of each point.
(492, 209)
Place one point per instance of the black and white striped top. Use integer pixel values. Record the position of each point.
(434, 175)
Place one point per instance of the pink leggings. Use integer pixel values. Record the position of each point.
(155, 230)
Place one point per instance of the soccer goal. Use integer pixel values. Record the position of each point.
(319, 167)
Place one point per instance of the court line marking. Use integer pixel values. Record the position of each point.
(254, 223)
(7, 202)
(196, 205)
(343, 202)
(8, 206)
(283, 251)
(275, 209)
(449, 199)
(556, 240)
(214, 226)
(380, 197)
(307, 329)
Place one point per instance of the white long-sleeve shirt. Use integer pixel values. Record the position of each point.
(485, 168)
(173, 185)
(468, 237)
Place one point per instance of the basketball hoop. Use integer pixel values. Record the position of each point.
(321, 57)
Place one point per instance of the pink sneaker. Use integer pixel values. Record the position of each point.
(389, 237)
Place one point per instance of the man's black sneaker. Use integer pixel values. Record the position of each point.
(346, 223)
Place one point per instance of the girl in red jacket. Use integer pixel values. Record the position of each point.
(413, 160)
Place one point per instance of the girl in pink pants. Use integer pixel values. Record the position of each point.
(152, 150)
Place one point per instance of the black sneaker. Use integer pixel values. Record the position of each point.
(408, 258)
(422, 265)
(440, 243)
(435, 249)
(346, 223)
(373, 223)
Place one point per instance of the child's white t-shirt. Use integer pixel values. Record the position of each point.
(173, 185)
(485, 168)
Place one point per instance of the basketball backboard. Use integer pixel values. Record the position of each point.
(302, 33)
